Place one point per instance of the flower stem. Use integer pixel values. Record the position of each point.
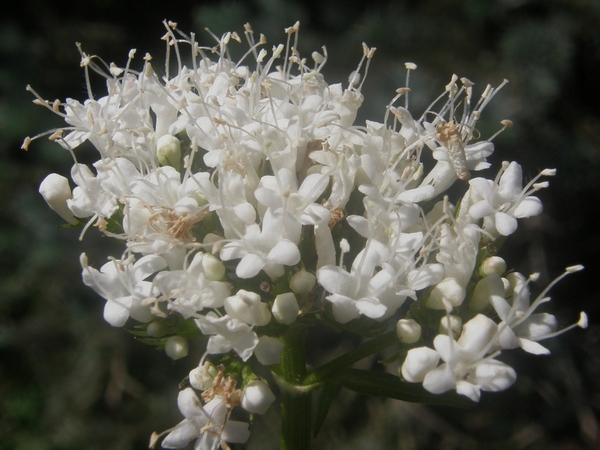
(295, 406)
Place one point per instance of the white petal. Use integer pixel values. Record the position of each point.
(505, 223)
(181, 435)
(440, 380)
(417, 195)
(533, 347)
(425, 276)
(511, 181)
(115, 313)
(418, 363)
(188, 403)
(469, 390)
(249, 266)
(530, 206)
(285, 252)
(344, 308)
(235, 432)
(481, 209)
(371, 307)
(494, 376)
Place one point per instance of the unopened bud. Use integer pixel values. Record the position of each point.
(214, 270)
(268, 350)
(56, 191)
(302, 282)
(156, 329)
(168, 151)
(455, 323)
(408, 331)
(257, 397)
(176, 347)
(484, 289)
(285, 308)
(493, 264)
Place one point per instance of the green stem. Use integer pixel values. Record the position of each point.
(368, 348)
(295, 405)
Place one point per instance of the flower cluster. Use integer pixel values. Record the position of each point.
(249, 202)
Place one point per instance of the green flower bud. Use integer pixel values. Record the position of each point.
(168, 151)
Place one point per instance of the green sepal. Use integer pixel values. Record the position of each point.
(328, 393)
(383, 384)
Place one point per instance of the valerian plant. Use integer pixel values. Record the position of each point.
(252, 208)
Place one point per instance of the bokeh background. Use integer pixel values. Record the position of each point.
(70, 381)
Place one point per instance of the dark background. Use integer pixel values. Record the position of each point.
(70, 381)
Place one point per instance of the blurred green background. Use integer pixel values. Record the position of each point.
(70, 381)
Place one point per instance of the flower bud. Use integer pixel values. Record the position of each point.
(168, 151)
(176, 347)
(247, 307)
(156, 329)
(448, 290)
(484, 289)
(257, 397)
(56, 191)
(214, 270)
(455, 325)
(268, 350)
(493, 264)
(285, 308)
(302, 282)
(408, 331)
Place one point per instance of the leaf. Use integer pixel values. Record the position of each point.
(383, 384)
(328, 394)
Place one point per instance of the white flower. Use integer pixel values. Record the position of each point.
(262, 249)
(465, 366)
(209, 425)
(520, 327)
(121, 283)
(501, 203)
(247, 307)
(361, 291)
(227, 334)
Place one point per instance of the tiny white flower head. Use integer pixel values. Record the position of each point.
(257, 397)
(268, 350)
(247, 307)
(408, 331)
(56, 191)
(176, 347)
(285, 308)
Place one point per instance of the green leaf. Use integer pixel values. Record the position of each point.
(328, 394)
(384, 384)
(329, 370)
